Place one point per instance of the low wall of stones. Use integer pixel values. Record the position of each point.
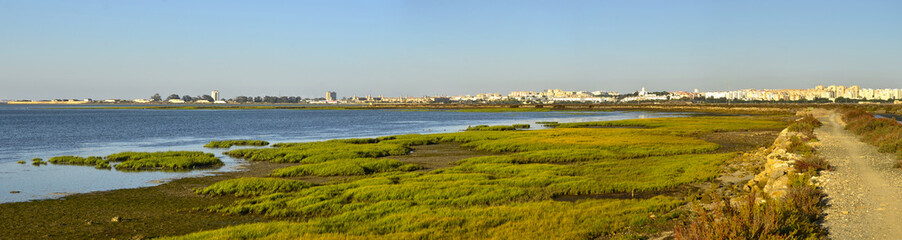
(778, 165)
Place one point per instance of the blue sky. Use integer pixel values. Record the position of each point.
(131, 49)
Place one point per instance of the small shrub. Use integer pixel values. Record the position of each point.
(885, 134)
(805, 125)
(798, 146)
(21, 162)
(795, 216)
(812, 163)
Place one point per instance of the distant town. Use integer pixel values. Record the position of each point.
(818, 94)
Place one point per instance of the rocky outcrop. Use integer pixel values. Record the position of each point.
(778, 165)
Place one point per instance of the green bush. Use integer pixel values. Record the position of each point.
(805, 125)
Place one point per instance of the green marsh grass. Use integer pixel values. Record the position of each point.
(345, 167)
(318, 152)
(549, 124)
(97, 162)
(490, 128)
(507, 195)
(230, 143)
(244, 187)
(406, 220)
(689, 125)
(172, 160)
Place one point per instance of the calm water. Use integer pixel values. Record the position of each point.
(38, 132)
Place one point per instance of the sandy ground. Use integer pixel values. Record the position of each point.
(865, 191)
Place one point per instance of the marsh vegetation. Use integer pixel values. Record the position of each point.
(510, 193)
(97, 162)
(884, 133)
(497, 128)
(230, 143)
(135, 161)
(172, 160)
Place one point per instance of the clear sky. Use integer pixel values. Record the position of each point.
(133, 49)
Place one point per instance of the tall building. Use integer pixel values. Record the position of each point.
(215, 95)
(331, 96)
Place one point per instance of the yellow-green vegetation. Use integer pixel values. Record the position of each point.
(490, 128)
(549, 124)
(97, 162)
(230, 143)
(689, 126)
(497, 128)
(38, 162)
(345, 167)
(406, 220)
(508, 195)
(318, 152)
(20, 162)
(244, 187)
(172, 160)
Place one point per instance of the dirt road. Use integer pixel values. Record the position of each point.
(865, 191)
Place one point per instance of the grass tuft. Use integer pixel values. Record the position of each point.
(172, 160)
(245, 187)
(345, 167)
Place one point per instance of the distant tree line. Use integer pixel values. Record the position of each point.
(187, 98)
(238, 99)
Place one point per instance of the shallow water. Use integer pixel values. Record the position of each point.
(39, 132)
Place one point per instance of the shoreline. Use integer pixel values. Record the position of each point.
(167, 209)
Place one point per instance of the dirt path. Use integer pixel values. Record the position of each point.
(864, 192)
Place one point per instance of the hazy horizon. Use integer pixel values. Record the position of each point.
(133, 49)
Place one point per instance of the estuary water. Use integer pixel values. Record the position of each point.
(31, 131)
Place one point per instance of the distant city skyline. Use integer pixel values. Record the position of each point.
(126, 50)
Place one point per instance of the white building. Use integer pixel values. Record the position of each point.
(215, 95)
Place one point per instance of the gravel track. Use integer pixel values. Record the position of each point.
(864, 191)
